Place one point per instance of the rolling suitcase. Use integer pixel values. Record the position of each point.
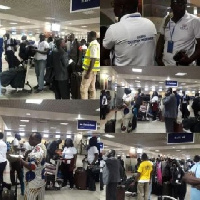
(178, 127)
(76, 79)
(120, 193)
(19, 80)
(110, 125)
(80, 178)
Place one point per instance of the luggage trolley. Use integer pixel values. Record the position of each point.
(53, 182)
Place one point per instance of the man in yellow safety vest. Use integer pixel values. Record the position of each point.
(91, 66)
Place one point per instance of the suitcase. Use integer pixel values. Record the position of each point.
(134, 122)
(178, 128)
(76, 79)
(110, 125)
(19, 80)
(120, 193)
(80, 178)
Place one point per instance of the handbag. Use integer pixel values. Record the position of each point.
(95, 169)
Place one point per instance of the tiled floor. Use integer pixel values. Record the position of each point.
(142, 126)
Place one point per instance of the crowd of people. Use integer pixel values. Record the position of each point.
(131, 41)
(56, 61)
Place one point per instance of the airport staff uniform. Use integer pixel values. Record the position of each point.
(40, 63)
(88, 85)
(68, 165)
(145, 170)
(183, 34)
(35, 179)
(133, 40)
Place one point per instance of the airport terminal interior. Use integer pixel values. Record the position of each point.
(54, 19)
(115, 79)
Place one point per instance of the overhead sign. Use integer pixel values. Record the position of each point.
(171, 83)
(83, 5)
(87, 125)
(178, 138)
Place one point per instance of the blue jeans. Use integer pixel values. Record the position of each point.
(40, 66)
(0, 61)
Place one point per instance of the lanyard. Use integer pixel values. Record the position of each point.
(171, 33)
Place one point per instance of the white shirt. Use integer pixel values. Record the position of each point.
(3, 151)
(186, 31)
(27, 146)
(102, 165)
(154, 99)
(16, 142)
(69, 152)
(91, 152)
(94, 49)
(9, 48)
(41, 46)
(133, 39)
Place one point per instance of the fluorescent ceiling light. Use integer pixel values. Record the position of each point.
(138, 77)
(109, 136)
(161, 82)
(195, 81)
(195, 11)
(8, 133)
(64, 124)
(22, 125)
(23, 120)
(79, 117)
(34, 101)
(13, 23)
(4, 7)
(137, 81)
(168, 78)
(183, 83)
(160, 90)
(22, 134)
(49, 18)
(28, 114)
(180, 74)
(98, 110)
(178, 150)
(46, 135)
(57, 136)
(84, 26)
(157, 150)
(57, 131)
(52, 127)
(68, 136)
(136, 70)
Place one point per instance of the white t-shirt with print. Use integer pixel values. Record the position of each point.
(41, 46)
(186, 31)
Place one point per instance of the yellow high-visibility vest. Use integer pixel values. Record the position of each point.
(87, 58)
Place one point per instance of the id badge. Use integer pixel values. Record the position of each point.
(170, 47)
(179, 176)
(68, 162)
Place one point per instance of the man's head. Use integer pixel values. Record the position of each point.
(144, 157)
(71, 37)
(183, 92)
(7, 36)
(24, 37)
(123, 7)
(178, 7)
(17, 136)
(197, 94)
(60, 43)
(1, 135)
(50, 39)
(42, 37)
(59, 141)
(169, 91)
(35, 139)
(111, 153)
(92, 36)
(69, 142)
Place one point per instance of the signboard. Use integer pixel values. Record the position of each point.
(171, 83)
(84, 5)
(178, 138)
(87, 125)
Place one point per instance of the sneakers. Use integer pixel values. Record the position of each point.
(38, 91)
(36, 87)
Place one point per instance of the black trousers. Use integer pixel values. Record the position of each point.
(67, 174)
(101, 181)
(103, 112)
(154, 114)
(179, 191)
(91, 180)
(62, 89)
(184, 110)
(2, 168)
(111, 191)
(10, 58)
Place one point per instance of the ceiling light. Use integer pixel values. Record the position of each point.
(160, 90)
(98, 110)
(161, 82)
(13, 23)
(64, 124)
(195, 11)
(173, 147)
(180, 74)
(136, 70)
(146, 89)
(70, 23)
(79, 117)
(138, 77)
(109, 136)
(183, 83)
(157, 150)
(23, 120)
(168, 78)
(68, 136)
(46, 135)
(8, 133)
(57, 131)
(22, 125)
(22, 134)
(57, 136)
(137, 81)
(178, 150)
(4, 7)
(195, 81)
(84, 26)
(34, 101)
(49, 18)
(52, 127)
(28, 114)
